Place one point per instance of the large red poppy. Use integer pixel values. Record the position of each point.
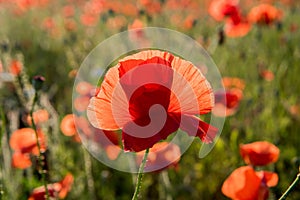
(130, 91)
(259, 153)
(244, 183)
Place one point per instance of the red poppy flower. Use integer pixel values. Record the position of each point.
(267, 75)
(259, 153)
(131, 88)
(219, 9)
(244, 184)
(67, 125)
(161, 154)
(16, 67)
(39, 116)
(227, 102)
(236, 29)
(264, 14)
(23, 142)
(55, 190)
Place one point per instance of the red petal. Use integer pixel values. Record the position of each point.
(242, 184)
(136, 144)
(195, 127)
(190, 88)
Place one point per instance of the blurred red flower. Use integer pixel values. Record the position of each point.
(161, 154)
(227, 101)
(15, 67)
(264, 14)
(55, 190)
(161, 66)
(68, 128)
(23, 142)
(267, 75)
(236, 28)
(259, 153)
(244, 183)
(39, 116)
(219, 9)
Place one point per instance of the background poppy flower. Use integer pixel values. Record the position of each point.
(67, 125)
(15, 67)
(244, 183)
(55, 190)
(129, 90)
(39, 116)
(259, 153)
(23, 142)
(161, 154)
(264, 14)
(219, 9)
(227, 102)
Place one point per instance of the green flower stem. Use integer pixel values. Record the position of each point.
(140, 176)
(2, 131)
(291, 187)
(40, 160)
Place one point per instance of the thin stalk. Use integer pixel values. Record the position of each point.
(2, 131)
(40, 160)
(291, 187)
(140, 177)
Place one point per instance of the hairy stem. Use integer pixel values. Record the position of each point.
(140, 176)
(40, 159)
(291, 187)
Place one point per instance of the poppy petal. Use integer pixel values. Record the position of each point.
(196, 127)
(185, 72)
(270, 178)
(132, 143)
(21, 161)
(242, 183)
(99, 111)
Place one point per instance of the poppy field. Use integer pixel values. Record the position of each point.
(141, 99)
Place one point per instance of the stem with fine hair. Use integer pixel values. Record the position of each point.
(291, 187)
(40, 160)
(140, 176)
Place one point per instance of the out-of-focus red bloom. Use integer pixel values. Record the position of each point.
(259, 153)
(160, 66)
(81, 103)
(161, 154)
(67, 125)
(39, 116)
(89, 19)
(227, 101)
(264, 14)
(244, 183)
(15, 67)
(23, 142)
(236, 28)
(84, 88)
(267, 75)
(189, 22)
(68, 11)
(219, 9)
(55, 190)
(232, 82)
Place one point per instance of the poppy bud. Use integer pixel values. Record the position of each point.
(37, 82)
